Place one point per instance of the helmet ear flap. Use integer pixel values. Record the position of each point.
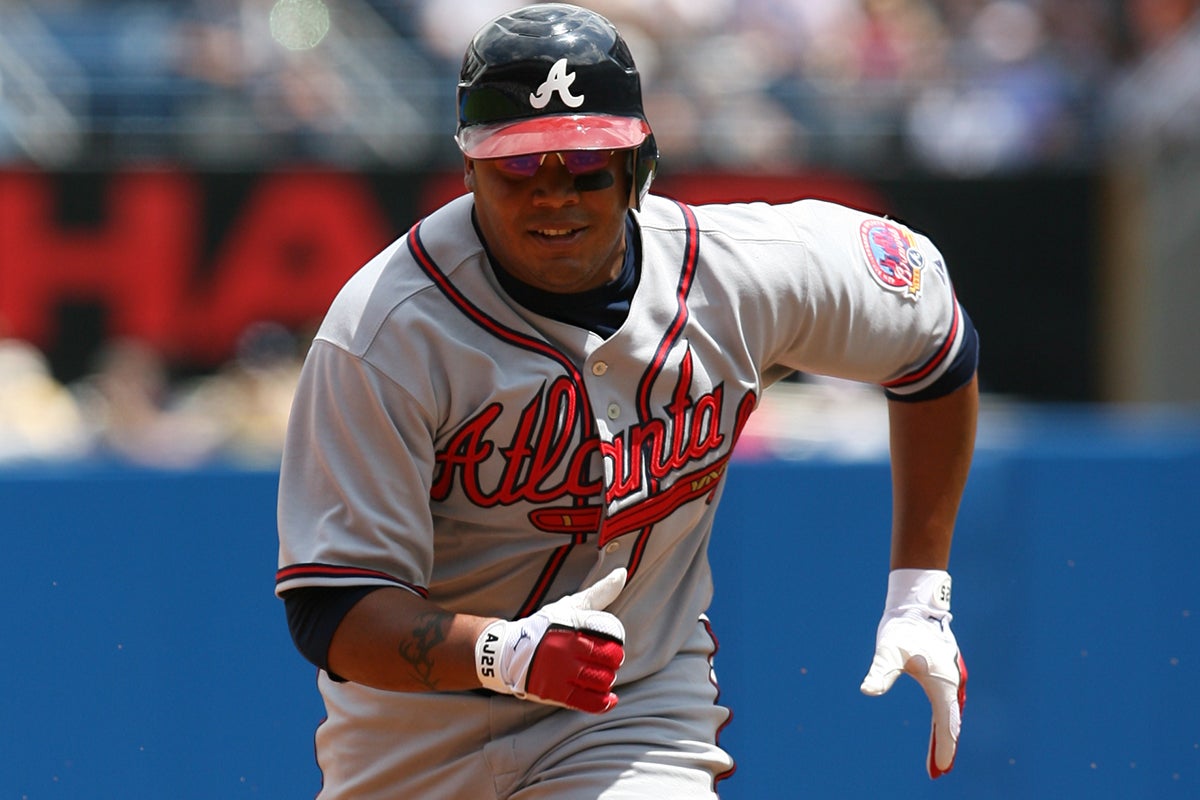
(644, 166)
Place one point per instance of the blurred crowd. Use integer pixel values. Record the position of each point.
(131, 408)
(957, 86)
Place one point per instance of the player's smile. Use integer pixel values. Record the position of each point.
(551, 233)
(561, 236)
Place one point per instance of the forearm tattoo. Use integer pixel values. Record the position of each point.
(428, 632)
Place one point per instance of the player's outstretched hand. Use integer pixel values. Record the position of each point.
(566, 654)
(914, 636)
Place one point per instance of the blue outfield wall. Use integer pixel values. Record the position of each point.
(146, 657)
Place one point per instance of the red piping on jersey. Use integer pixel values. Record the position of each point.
(716, 700)
(639, 550)
(480, 318)
(933, 363)
(691, 252)
(675, 329)
(534, 601)
(353, 574)
(425, 261)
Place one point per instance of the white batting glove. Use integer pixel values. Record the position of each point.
(914, 636)
(566, 654)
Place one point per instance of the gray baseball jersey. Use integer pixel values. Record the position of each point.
(448, 440)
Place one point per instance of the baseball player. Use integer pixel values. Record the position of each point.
(512, 429)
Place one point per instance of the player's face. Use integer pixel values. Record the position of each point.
(552, 229)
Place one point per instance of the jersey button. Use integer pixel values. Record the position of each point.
(614, 411)
(612, 547)
(599, 368)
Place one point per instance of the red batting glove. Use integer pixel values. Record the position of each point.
(566, 654)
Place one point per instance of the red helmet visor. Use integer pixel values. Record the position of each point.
(551, 134)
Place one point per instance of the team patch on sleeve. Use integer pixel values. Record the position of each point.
(892, 256)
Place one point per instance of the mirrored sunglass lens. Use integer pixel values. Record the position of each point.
(578, 161)
(521, 165)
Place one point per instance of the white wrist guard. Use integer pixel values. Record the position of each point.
(490, 650)
(924, 589)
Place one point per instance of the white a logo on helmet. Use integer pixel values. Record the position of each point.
(558, 80)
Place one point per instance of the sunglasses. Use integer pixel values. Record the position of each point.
(577, 162)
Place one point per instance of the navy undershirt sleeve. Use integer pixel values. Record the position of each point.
(313, 615)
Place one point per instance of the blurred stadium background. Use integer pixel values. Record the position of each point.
(184, 185)
(165, 165)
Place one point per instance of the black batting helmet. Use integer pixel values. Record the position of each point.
(553, 77)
